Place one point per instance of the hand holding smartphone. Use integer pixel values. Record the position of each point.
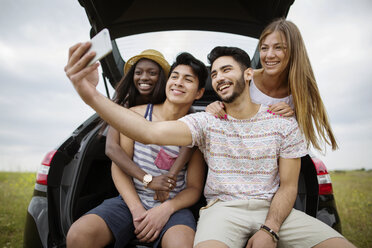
(101, 44)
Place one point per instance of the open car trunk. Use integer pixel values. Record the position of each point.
(128, 17)
(86, 182)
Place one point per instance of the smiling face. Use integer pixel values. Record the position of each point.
(273, 54)
(146, 75)
(182, 86)
(227, 78)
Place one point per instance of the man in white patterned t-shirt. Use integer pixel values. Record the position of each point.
(253, 159)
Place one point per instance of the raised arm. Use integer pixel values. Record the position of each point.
(282, 203)
(85, 79)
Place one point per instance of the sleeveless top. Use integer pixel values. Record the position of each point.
(259, 97)
(155, 160)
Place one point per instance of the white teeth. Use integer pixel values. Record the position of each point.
(145, 85)
(177, 91)
(224, 87)
(272, 63)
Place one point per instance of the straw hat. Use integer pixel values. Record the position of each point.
(148, 54)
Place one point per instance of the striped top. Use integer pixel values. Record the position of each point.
(242, 155)
(155, 160)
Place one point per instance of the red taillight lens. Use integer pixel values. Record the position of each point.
(324, 179)
(325, 189)
(42, 173)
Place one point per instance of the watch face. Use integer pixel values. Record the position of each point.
(147, 178)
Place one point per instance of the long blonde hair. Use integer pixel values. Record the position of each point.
(309, 107)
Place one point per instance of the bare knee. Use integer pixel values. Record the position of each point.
(88, 231)
(179, 236)
(211, 243)
(77, 235)
(336, 243)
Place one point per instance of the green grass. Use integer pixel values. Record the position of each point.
(352, 190)
(353, 194)
(15, 193)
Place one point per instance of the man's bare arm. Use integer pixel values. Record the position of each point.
(281, 205)
(85, 79)
(283, 201)
(137, 128)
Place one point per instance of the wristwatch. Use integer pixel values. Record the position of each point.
(146, 180)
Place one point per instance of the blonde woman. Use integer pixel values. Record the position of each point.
(287, 84)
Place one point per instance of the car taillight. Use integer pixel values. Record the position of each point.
(324, 179)
(42, 173)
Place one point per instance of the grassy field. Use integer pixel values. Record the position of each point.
(353, 193)
(15, 193)
(352, 190)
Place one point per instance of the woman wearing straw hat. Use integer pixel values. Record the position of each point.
(135, 212)
(144, 79)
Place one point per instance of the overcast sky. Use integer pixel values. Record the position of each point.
(39, 108)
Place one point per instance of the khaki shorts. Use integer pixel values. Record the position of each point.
(234, 222)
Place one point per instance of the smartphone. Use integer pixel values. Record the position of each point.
(101, 44)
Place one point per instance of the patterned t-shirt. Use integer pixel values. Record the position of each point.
(242, 155)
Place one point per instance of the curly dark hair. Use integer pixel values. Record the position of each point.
(238, 54)
(196, 65)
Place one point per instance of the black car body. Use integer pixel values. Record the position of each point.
(76, 176)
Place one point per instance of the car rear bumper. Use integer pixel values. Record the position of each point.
(36, 228)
